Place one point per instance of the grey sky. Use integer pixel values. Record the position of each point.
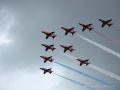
(21, 23)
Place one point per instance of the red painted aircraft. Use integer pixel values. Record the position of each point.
(49, 34)
(83, 61)
(88, 26)
(47, 58)
(49, 47)
(107, 22)
(46, 70)
(69, 30)
(67, 48)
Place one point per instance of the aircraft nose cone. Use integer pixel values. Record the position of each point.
(42, 44)
(80, 23)
(40, 56)
(99, 19)
(62, 27)
(41, 68)
(61, 45)
(41, 31)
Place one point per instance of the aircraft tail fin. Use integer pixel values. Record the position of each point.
(72, 50)
(91, 28)
(110, 24)
(51, 60)
(53, 49)
(54, 36)
(73, 32)
(50, 72)
(87, 63)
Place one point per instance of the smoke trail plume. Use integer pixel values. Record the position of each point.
(75, 82)
(116, 28)
(94, 67)
(100, 46)
(94, 78)
(117, 42)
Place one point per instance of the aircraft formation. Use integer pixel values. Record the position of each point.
(69, 48)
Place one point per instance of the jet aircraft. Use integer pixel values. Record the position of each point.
(47, 58)
(83, 61)
(49, 34)
(67, 48)
(69, 30)
(49, 47)
(88, 26)
(107, 22)
(46, 70)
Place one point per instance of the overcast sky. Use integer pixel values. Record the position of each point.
(21, 23)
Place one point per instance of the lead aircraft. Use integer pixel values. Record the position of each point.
(107, 22)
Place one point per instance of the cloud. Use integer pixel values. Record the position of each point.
(28, 80)
(6, 22)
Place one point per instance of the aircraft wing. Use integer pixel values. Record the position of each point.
(44, 72)
(81, 63)
(50, 57)
(46, 49)
(83, 29)
(109, 20)
(52, 32)
(65, 50)
(51, 45)
(85, 60)
(88, 25)
(70, 46)
(47, 37)
(49, 69)
(71, 28)
(103, 25)
(66, 33)
(45, 61)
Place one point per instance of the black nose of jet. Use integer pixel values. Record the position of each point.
(42, 44)
(99, 19)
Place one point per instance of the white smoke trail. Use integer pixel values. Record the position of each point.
(100, 46)
(94, 67)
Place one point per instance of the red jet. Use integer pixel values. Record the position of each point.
(49, 34)
(83, 61)
(86, 26)
(49, 47)
(67, 48)
(69, 30)
(106, 22)
(47, 58)
(46, 70)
